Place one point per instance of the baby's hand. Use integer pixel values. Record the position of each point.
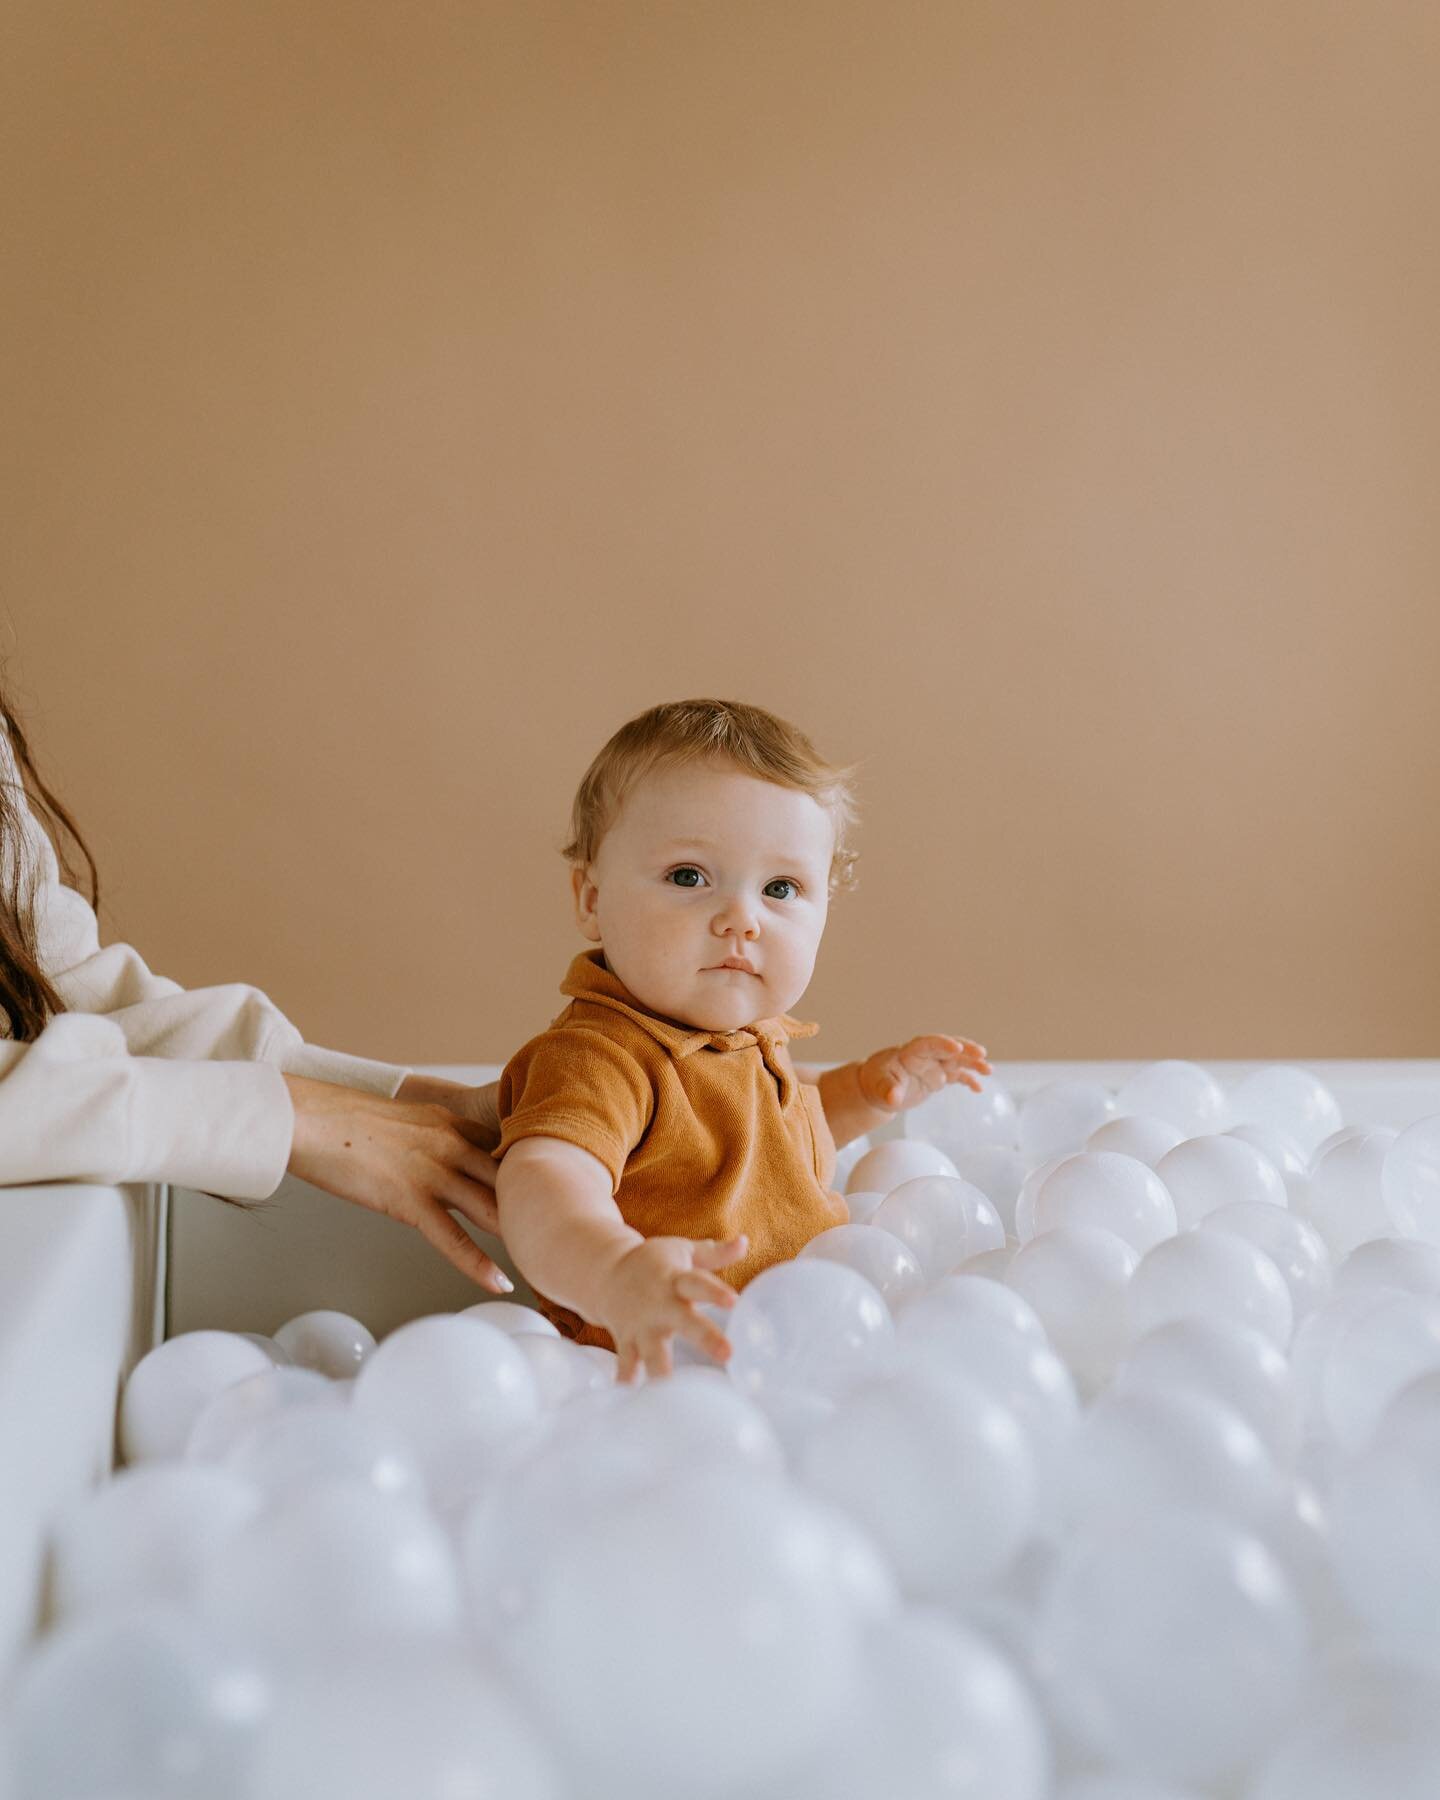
(896, 1079)
(653, 1293)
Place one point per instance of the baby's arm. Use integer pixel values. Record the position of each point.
(859, 1097)
(562, 1226)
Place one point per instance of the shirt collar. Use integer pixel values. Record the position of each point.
(589, 979)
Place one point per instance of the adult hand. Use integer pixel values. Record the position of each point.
(479, 1105)
(415, 1161)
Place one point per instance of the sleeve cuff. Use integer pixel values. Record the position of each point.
(223, 1127)
(315, 1064)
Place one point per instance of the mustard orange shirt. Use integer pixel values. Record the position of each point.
(706, 1134)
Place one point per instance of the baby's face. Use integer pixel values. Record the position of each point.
(704, 864)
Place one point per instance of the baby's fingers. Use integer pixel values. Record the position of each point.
(704, 1290)
(629, 1364)
(699, 1330)
(715, 1253)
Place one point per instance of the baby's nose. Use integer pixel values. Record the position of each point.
(737, 915)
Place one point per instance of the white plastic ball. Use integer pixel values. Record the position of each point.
(1410, 1181)
(459, 1390)
(143, 1705)
(331, 1342)
(1076, 1279)
(999, 1175)
(1142, 1451)
(1059, 1117)
(710, 1598)
(511, 1317)
(1235, 1364)
(303, 1446)
(862, 1206)
(144, 1535)
(973, 1300)
(1102, 1187)
(1029, 1189)
(169, 1387)
(1147, 1139)
(994, 1265)
(1114, 1785)
(942, 1221)
(561, 1369)
(1108, 1642)
(894, 1161)
(1377, 1354)
(880, 1257)
(1182, 1093)
(1296, 1249)
(230, 1417)
(811, 1325)
(1206, 1173)
(936, 1471)
(329, 1567)
(1209, 1275)
(1385, 1527)
(1407, 1265)
(957, 1119)
(1371, 1731)
(1281, 1149)
(1283, 1098)
(378, 1727)
(939, 1715)
(1343, 1200)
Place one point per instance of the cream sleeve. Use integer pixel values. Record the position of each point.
(142, 1080)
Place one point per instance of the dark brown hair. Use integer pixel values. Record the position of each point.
(27, 996)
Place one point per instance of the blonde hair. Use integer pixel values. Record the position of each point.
(754, 741)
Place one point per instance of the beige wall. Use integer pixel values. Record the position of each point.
(1038, 403)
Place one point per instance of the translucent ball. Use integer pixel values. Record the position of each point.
(1293, 1101)
(876, 1254)
(168, 1388)
(994, 1265)
(1281, 1149)
(936, 1471)
(1059, 1117)
(1376, 1355)
(1296, 1249)
(1146, 1139)
(459, 1390)
(376, 1727)
(331, 1342)
(1234, 1364)
(957, 1119)
(1343, 1200)
(862, 1207)
(897, 1160)
(1209, 1275)
(1407, 1264)
(1029, 1188)
(561, 1369)
(1108, 1643)
(1371, 1729)
(1206, 1173)
(709, 1598)
(1182, 1093)
(144, 1535)
(329, 1567)
(1310, 1354)
(1101, 1187)
(950, 1332)
(942, 1221)
(235, 1411)
(1411, 1182)
(1385, 1527)
(810, 1325)
(511, 1317)
(966, 1300)
(303, 1446)
(1143, 1451)
(1113, 1785)
(1076, 1279)
(146, 1704)
(999, 1175)
(939, 1715)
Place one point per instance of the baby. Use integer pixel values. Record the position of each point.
(658, 1137)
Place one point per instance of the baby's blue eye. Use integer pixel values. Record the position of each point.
(686, 878)
(782, 883)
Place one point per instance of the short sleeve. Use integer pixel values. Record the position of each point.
(579, 1085)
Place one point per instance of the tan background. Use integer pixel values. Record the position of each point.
(1039, 403)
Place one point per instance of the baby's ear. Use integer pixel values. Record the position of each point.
(586, 894)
